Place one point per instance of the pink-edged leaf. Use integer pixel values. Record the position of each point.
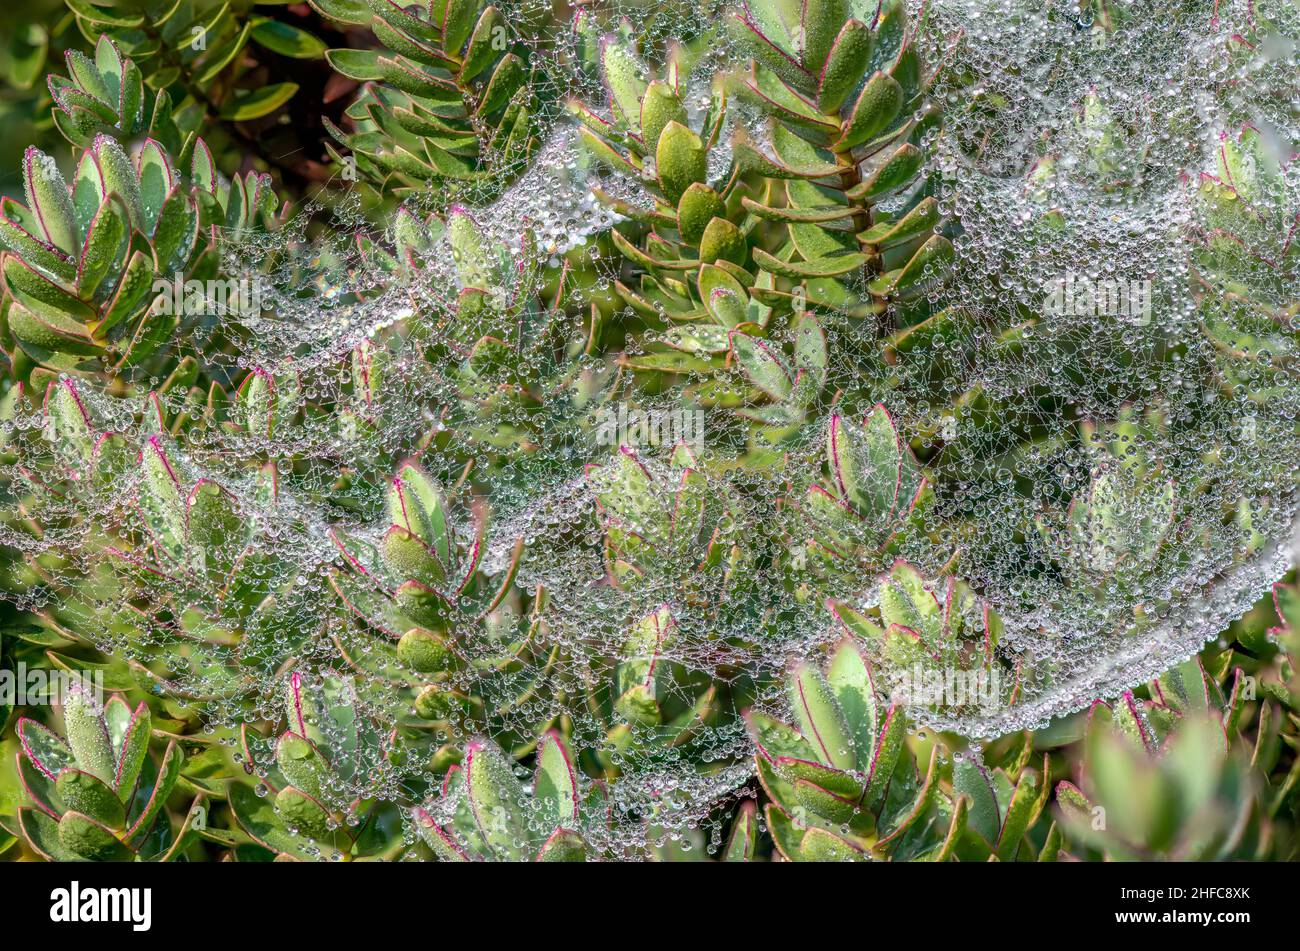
(555, 785)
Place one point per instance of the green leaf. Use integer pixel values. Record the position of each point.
(169, 773)
(161, 499)
(681, 160)
(891, 175)
(71, 424)
(762, 365)
(713, 279)
(42, 834)
(352, 12)
(279, 37)
(563, 846)
(822, 21)
(361, 65)
(497, 799)
(256, 816)
(425, 651)
(603, 152)
(86, 75)
(777, 740)
(723, 241)
(743, 843)
(303, 815)
(36, 251)
(44, 748)
(850, 682)
(622, 73)
(660, 106)
(931, 257)
(906, 602)
(698, 206)
(157, 178)
(457, 22)
(260, 102)
(800, 157)
(555, 788)
(887, 749)
(635, 677)
(416, 504)
(29, 44)
(92, 841)
(49, 201)
(128, 730)
(508, 77)
(970, 779)
(787, 106)
(88, 794)
(819, 845)
(133, 293)
(469, 250)
(42, 296)
(916, 222)
(114, 673)
(817, 214)
(481, 50)
(815, 243)
(108, 58)
(224, 52)
(876, 107)
(763, 33)
(1051, 849)
(111, 172)
(303, 765)
(831, 266)
(88, 735)
(176, 230)
(106, 244)
(865, 464)
(406, 556)
(49, 333)
(787, 839)
(214, 528)
(845, 65)
(831, 806)
(1019, 812)
(820, 717)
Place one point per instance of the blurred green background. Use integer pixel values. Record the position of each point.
(32, 34)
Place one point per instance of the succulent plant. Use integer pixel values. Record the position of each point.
(657, 705)
(938, 637)
(827, 778)
(661, 526)
(97, 795)
(329, 758)
(373, 558)
(1124, 526)
(83, 261)
(419, 586)
(106, 95)
(1244, 263)
(1191, 767)
(449, 101)
(202, 46)
(520, 378)
(1195, 799)
(842, 138)
(844, 783)
(193, 549)
(868, 504)
(486, 813)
